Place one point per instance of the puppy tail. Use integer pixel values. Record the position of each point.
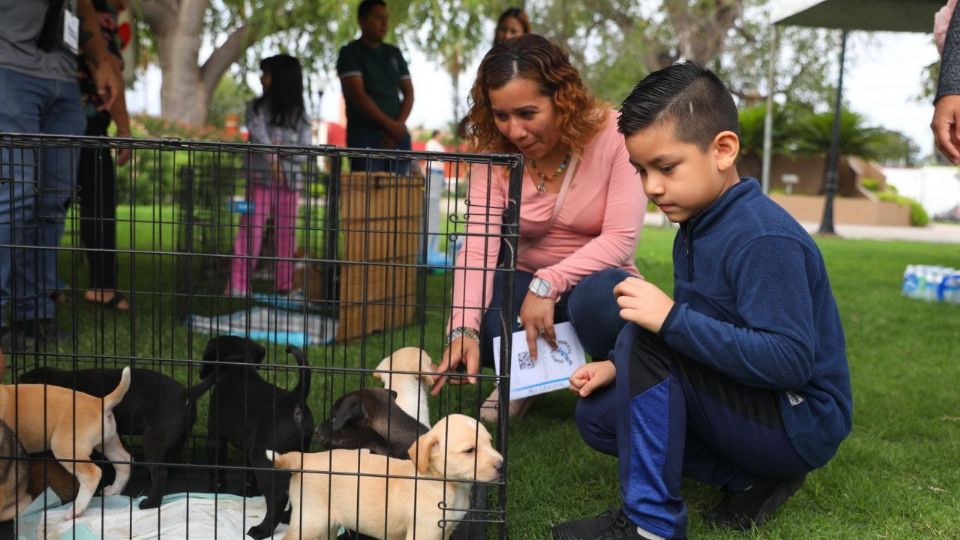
(197, 390)
(110, 400)
(303, 385)
(290, 460)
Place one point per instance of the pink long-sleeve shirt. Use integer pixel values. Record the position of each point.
(597, 227)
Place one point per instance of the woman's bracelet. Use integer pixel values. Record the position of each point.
(463, 331)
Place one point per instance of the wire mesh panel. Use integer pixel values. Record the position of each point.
(281, 322)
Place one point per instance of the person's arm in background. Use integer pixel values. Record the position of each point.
(256, 125)
(120, 116)
(105, 71)
(946, 114)
(406, 88)
(354, 92)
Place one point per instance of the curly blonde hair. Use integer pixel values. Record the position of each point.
(579, 114)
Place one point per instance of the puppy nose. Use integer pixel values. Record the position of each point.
(499, 467)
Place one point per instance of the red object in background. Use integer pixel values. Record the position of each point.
(231, 124)
(336, 134)
(418, 146)
(125, 31)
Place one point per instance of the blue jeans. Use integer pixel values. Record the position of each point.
(669, 416)
(401, 167)
(590, 307)
(36, 185)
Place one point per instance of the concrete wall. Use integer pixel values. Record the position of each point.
(809, 208)
(810, 172)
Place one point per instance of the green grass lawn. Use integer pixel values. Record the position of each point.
(895, 477)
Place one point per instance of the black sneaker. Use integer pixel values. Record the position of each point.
(42, 330)
(753, 506)
(612, 524)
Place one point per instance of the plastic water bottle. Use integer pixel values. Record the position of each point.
(950, 287)
(911, 282)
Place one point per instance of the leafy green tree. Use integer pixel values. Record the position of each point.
(230, 97)
(615, 44)
(785, 119)
(897, 149)
(813, 134)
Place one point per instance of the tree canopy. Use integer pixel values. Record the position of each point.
(613, 43)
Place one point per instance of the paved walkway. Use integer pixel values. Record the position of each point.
(937, 233)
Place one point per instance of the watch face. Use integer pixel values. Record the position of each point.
(540, 287)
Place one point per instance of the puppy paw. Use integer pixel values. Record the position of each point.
(259, 532)
(112, 489)
(150, 502)
(71, 515)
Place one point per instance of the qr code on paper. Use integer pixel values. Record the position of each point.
(525, 361)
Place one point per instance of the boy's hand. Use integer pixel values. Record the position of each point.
(589, 377)
(641, 302)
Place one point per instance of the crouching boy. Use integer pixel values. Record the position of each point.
(741, 380)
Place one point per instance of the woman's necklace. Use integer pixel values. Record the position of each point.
(542, 184)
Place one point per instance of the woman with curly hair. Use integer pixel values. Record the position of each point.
(581, 211)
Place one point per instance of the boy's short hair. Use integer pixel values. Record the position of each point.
(367, 6)
(687, 94)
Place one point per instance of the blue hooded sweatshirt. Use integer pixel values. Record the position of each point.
(753, 301)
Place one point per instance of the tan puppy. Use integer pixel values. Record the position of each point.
(14, 471)
(14, 475)
(410, 387)
(444, 461)
(71, 425)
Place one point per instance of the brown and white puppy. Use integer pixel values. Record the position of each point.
(71, 425)
(369, 418)
(409, 372)
(443, 464)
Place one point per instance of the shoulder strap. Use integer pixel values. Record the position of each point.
(523, 244)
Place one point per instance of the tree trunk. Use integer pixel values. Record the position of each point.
(701, 29)
(187, 85)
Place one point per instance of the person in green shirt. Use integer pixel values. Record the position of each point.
(374, 75)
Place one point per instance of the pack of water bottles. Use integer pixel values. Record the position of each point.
(931, 283)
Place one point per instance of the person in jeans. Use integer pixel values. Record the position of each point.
(38, 69)
(581, 211)
(740, 380)
(97, 177)
(374, 75)
(278, 117)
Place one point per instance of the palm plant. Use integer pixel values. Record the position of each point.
(813, 133)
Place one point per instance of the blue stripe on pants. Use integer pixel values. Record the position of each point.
(685, 420)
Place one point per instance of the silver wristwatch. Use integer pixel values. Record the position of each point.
(541, 287)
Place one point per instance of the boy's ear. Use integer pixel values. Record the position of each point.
(726, 148)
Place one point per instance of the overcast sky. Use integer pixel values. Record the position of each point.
(883, 78)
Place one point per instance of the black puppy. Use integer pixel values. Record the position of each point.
(370, 418)
(254, 415)
(157, 407)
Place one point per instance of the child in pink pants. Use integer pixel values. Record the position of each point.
(278, 117)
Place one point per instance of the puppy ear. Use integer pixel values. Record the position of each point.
(420, 451)
(393, 394)
(352, 408)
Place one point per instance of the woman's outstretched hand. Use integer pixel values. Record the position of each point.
(462, 350)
